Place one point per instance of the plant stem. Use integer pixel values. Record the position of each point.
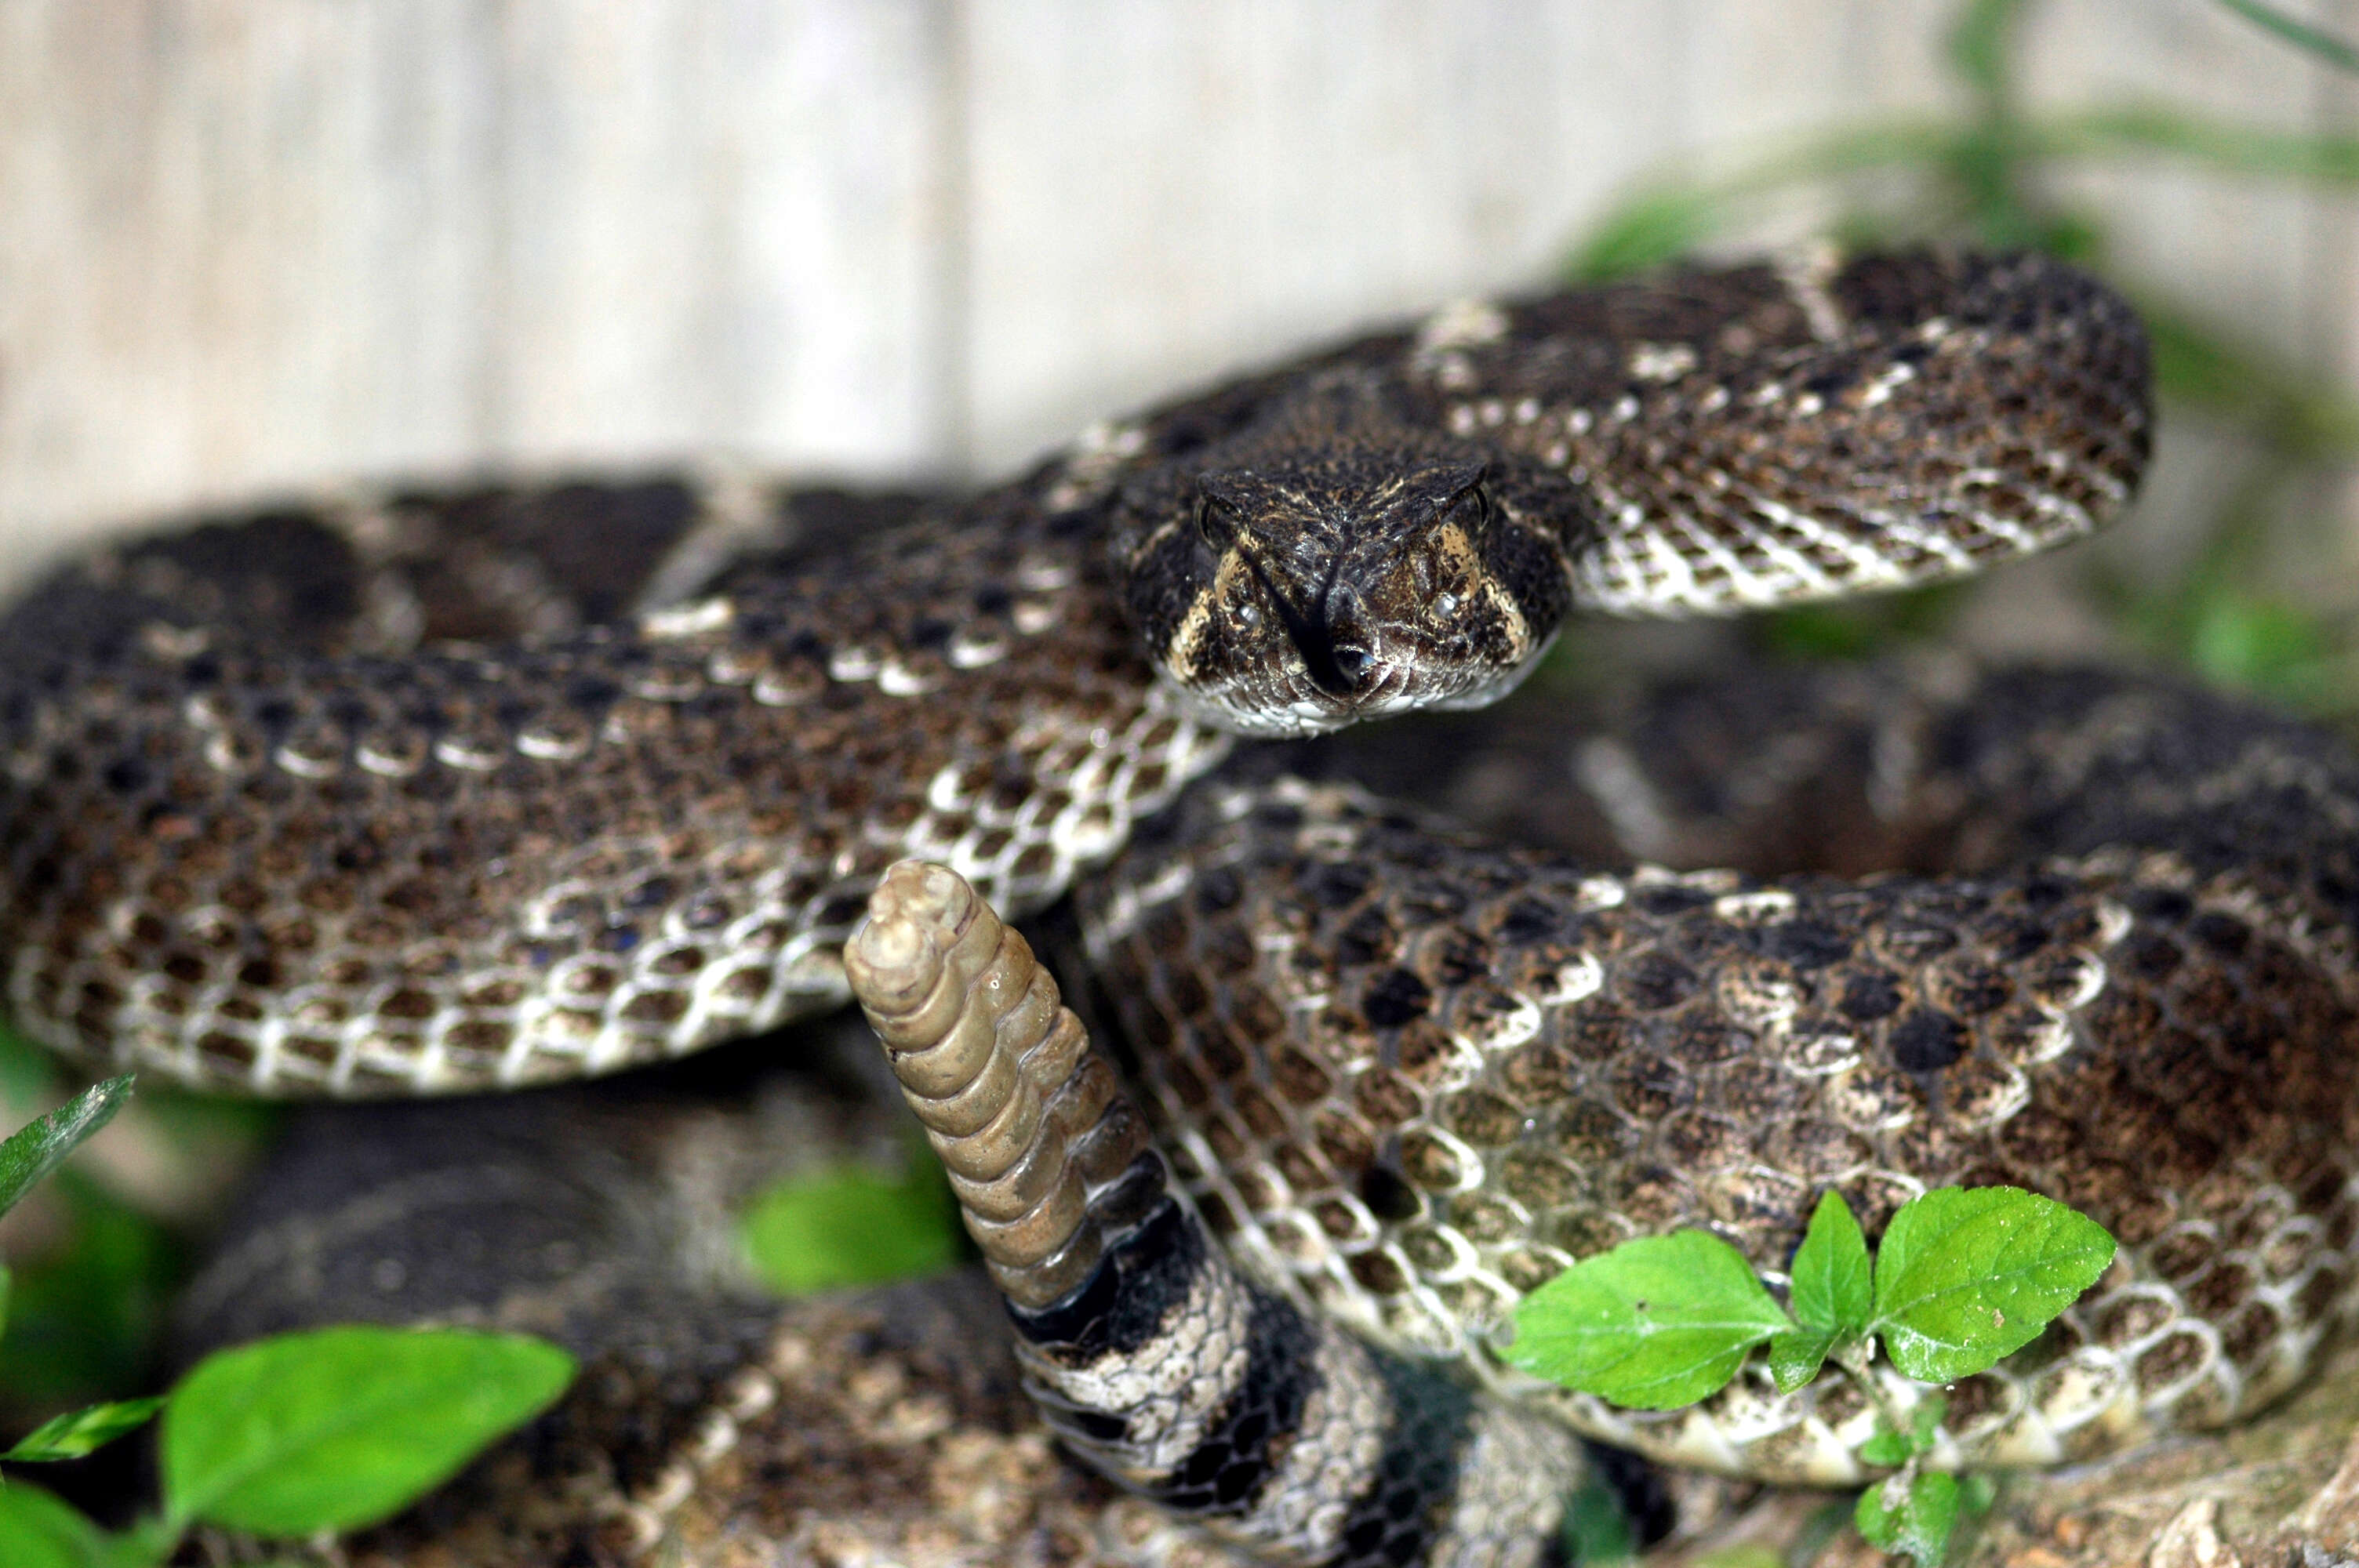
(1855, 1358)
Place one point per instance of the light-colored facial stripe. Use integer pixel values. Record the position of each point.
(1180, 654)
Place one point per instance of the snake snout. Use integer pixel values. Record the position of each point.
(1339, 655)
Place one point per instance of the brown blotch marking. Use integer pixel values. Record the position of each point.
(2172, 1359)
(1976, 1403)
(1653, 1196)
(1344, 1139)
(1339, 1219)
(1259, 1112)
(2248, 1336)
(1485, 1220)
(1602, 1031)
(1654, 981)
(1425, 1054)
(1589, 1133)
(2218, 1290)
(1536, 1074)
(2181, 1254)
(1700, 1037)
(1540, 1180)
(1226, 1139)
(1302, 1168)
(1387, 1099)
(1430, 1163)
(1813, 1148)
(1300, 1080)
(1222, 1058)
(2130, 1317)
(1483, 1119)
(1700, 1140)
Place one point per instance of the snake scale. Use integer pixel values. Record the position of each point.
(416, 794)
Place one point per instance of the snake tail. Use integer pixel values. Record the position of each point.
(1157, 1362)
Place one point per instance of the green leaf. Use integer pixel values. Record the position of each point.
(2223, 145)
(851, 1227)
(1596, 1531)
(1925, 1421)
(1978, 43)
(1647, 232)
(78, 1433)
(1834, 1279)
(2256, 645)
(1795, 1359)
(1886, 1446)
(34, 1150)
(2334, 50)
(340, 1427)
(40, 1530)
(1966, 1276)
(1745, 1554)
(1920, 1526)
(1890, 1447)
(1653, 1324)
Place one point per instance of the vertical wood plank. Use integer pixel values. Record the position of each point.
(1169, 189)
(264, 245)
(1166, 189)
(717, 228)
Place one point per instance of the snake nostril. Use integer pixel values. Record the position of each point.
(1352, 662)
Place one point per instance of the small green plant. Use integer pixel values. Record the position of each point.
(1964, 1277)
(285, 1437)
(326, 1429)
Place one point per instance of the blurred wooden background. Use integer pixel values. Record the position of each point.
(252, 245)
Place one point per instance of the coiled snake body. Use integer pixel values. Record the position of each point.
(312, 805)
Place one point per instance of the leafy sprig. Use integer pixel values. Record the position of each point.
(34, 1150)
(285, 1437)
(330, 1429)
(1963, 1277)
(31, 1152)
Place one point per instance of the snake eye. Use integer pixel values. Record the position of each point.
(1445, 606)
(1216, 522)
(1470, 509)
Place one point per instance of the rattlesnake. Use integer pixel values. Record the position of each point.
(266, 830)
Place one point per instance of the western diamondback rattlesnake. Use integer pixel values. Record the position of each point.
(271, 826)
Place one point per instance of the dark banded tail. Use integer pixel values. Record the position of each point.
(1157, 1362)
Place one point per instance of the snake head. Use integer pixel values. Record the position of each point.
(1331, 564)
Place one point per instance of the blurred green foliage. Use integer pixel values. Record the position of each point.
(853, 1226)
(1982, 176)
(2334, 50)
